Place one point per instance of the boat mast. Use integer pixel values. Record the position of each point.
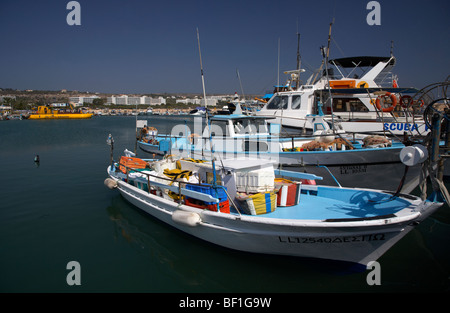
(298, 59)
(278, 68)
(240, 83)
(207, 115)
(201, 69)
(326, 55)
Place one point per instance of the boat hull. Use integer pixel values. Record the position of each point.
(151, 148)
(354, 241)
(378, 168)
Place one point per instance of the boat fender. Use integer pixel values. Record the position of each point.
(110, 183)
(413, 155)
(393, 99)
(186, 218)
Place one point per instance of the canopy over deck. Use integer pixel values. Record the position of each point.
(361, 61)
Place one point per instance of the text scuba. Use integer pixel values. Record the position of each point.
(403, 126)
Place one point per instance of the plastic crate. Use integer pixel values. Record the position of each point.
(218, 192)
(288, 193)
(224, 206)
(256, 204)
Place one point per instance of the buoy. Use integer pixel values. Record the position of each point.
(110, 183)
(36, 158)
(186, 218)
(413, 155)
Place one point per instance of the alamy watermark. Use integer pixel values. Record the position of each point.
(74, 16)
(374, 277)
(244, 139)
(74, 276)
(374, 16)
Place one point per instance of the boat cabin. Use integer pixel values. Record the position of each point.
(237, 126)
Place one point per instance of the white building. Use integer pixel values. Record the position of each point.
(209, 102)
(135, 100)
(196, 101)
(83, 100)
(188, 101)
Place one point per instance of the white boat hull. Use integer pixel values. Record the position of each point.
(355, 241)
(418, 128)
(298, 124)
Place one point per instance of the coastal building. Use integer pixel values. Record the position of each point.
(188, 101)
(83, 100)
(209, 102)
(134, 100)
(196, 101)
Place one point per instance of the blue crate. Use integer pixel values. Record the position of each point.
(209, 190)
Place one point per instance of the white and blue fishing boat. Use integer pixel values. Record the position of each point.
(356, 161)
(248, 205)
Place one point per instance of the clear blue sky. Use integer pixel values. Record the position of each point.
(151, 46)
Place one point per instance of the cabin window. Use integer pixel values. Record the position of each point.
(249, 126)
(348, 105)
(277, 103)
(261, 126)
(219, 129)
(296, 102)
(256, 146)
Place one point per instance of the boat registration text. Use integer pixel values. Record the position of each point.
(348, 239)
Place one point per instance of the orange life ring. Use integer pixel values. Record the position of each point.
(388, 109)
(407, 103)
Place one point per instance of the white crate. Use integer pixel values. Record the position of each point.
(254, 181)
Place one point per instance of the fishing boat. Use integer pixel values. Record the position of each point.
(48, 112)
(248, 205)
(356, 161)
(362, 95)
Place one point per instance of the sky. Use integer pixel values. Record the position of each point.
(142, 47)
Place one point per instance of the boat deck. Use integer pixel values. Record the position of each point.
(361, 205)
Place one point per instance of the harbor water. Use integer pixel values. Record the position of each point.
(58, 210)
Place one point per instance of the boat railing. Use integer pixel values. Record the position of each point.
(267, 136)
(181, 191)
(201, 143)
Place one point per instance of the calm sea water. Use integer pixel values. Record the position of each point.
(60, 211)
